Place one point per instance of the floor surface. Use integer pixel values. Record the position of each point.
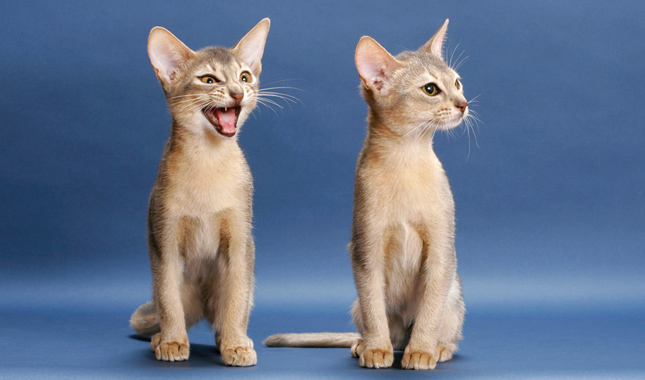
(72, 342)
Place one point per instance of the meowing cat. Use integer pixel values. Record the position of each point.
(402, 246)
(199, 218)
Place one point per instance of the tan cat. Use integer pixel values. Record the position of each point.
(199, 218)
(402, 246)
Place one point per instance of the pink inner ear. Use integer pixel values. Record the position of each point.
(374, 63)
(167, 62)
(251, 46)
(378, 81)
(167, 54)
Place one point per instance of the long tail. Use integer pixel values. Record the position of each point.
(321, 340)
(145, 320)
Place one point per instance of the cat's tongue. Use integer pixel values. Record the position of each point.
(227, 119)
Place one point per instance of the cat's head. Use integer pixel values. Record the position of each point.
(212, 90)
(416, 90)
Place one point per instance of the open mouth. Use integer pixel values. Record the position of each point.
(224, 120)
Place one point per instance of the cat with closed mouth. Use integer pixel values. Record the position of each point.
(402, 244)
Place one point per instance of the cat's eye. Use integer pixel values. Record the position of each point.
(209, 79)
(431, 89)
(458, 84)
(245, 77)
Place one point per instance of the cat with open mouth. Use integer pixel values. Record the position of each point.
(201, 250)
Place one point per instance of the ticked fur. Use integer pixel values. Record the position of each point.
(402, 245)
(199, 217)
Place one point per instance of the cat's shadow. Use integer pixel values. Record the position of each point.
(398, 356)
(205, 355)
(200, 354)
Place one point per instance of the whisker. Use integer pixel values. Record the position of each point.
(270, 101)
(285, 97)
(185, 96)
(474, 99)
(281, 88)
(283, 80)
(197, 104)
(452, 55)
(267, 105)
(458, 65)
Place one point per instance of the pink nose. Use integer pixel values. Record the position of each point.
(462, 106)
(237, 96)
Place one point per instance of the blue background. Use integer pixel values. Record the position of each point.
(549, 193)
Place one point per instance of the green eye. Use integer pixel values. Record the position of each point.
(431, 89)
(458, 84)
(209, 79)
(245, 77)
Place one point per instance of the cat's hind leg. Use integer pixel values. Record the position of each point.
(359, 346)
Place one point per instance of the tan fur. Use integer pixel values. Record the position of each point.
(322, 340)
(199, 218)
(402, 246)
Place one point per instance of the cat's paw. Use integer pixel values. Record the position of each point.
(376, 358)
(357, 348)
(418, 359)
(240, 356)
(444, 351)
(175, 350)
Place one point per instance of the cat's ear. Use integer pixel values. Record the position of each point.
(167, 54)
(375, 65)
(251, 47)
(435, 44)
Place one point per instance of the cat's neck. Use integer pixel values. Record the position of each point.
(198, 145)
(382, 134)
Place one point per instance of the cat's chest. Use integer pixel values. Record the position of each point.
(207, 185)
(411, 191)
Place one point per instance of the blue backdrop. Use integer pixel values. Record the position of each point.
(549, 189)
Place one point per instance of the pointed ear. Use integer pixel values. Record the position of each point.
(167, 54)
(435, 44)
(375, 65)
(251, 47)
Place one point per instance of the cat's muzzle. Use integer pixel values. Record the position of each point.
(224, 120)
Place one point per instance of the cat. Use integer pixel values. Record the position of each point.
(402, 245)
(201, 250)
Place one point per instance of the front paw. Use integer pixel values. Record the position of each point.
(239, 355)
(376, 358)
(170, 350)
(418, 359)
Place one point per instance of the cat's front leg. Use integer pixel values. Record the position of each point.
(437, 276)
(367, 253)
(236, 265)
(171, 343)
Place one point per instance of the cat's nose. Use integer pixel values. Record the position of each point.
(237, 96)
(462, 106)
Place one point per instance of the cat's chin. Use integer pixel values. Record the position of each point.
(452, 123)
(223, 120)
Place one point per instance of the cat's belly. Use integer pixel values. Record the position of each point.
(200, 237)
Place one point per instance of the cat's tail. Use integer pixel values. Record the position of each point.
(321, 340)
(145, 320)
